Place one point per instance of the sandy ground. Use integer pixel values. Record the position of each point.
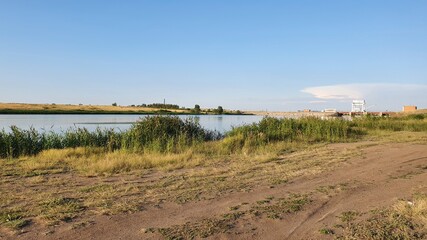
(378, 177)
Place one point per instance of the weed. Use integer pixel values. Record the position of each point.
(61, 209)
(348, 216)
(280, 207)
(13, 219)
(202, 229)
(326, 231)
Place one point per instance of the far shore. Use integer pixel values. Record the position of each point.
(28, 108)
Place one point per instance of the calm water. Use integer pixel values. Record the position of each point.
(58, 123)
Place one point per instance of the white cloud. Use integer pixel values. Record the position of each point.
(362, 90)
(334, 92)
(381, 96)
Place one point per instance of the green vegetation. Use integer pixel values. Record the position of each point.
(168, 134)
(196, 109)
(59, 209)
(416, 123)
(202, 229)
(219, 110)
(13, 219)
(326, 231)
(153, 133)
(307, 130)
(165, 134)
(278, 208)
(163, 105)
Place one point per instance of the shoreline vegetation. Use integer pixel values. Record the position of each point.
(170, 134)
(150, 109)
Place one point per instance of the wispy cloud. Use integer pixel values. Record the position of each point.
(381, 96)
(363, 90)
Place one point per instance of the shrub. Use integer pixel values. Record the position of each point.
(166, 134)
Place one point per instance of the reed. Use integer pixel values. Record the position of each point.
(150, 134)
(412, 123)
(166, 134)
(170, 134)
(270, 130)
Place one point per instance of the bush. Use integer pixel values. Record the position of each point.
(166, 134)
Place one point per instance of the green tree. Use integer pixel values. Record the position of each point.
(220, 110)
(114, 104)
(197, 108)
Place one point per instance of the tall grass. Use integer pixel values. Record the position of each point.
(414, 123)
(270, 130)
(168, 134)
(21, 142)
(152, 133)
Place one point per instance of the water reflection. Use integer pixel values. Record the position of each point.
(59, 123)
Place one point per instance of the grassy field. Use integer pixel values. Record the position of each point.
(50, 180)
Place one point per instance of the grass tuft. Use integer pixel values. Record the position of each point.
(13, 219)
(59, 209)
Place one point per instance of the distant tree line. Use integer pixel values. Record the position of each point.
(163, 105)
(157, 105)
(195, 110)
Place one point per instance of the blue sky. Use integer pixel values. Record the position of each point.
(259, 55)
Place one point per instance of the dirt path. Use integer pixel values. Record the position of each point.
(382, 175)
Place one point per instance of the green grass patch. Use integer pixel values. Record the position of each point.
(13, 219)
(277, 208)
(59, 209)
(201, 229)
(326, 231)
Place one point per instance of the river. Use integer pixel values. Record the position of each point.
(120, 122)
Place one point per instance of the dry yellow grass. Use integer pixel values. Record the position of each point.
(416, 209)
(95, 161)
